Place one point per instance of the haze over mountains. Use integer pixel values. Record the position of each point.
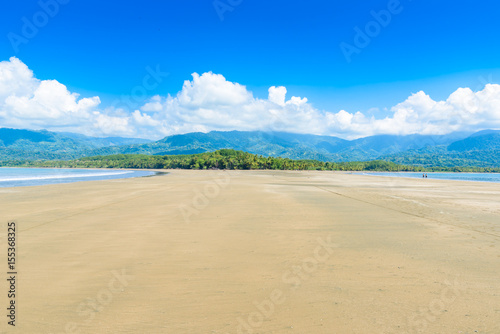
(455, 149)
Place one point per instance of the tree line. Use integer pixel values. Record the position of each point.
(231, 159)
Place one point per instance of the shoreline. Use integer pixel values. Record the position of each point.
(160, 172)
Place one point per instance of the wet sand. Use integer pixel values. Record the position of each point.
(255, 252)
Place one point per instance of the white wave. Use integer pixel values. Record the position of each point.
(59, 176)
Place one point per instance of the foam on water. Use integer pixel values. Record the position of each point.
(58, 176)
(18, 177)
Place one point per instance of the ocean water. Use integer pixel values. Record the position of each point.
(481, 177)
(22, 177)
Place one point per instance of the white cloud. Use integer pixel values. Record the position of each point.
(50, 101)
(114, 125)
(464, 110)
(26, 102)
(154, 104)
(211, 102)
(277, 95)
(15, 78)
(212, 90)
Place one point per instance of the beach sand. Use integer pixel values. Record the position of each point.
(255, 252)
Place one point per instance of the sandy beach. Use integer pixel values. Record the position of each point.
(255, 252)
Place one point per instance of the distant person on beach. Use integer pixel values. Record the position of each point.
(425, 175)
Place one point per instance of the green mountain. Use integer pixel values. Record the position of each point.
(480, 141)
(479, 149)
(34, 145)
(295, 146)
(286, 145)
(456, 149)
(104, 142)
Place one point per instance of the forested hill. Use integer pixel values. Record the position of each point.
(481, 149)
(18, 144)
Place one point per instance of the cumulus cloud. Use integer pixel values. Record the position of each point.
(212, 90)
(464, 110)
(210, 102)
(26, 102)
(277, 95)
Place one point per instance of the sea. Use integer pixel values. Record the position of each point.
(22, 177)
(479, 177)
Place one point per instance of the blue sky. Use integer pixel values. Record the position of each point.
(102, 48)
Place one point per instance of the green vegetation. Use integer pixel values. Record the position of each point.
(479, 152)
(230, 159)
(298, 151)
(440, 156)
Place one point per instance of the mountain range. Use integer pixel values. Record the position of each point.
(455, 149)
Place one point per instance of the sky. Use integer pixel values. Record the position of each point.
(349, 68)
